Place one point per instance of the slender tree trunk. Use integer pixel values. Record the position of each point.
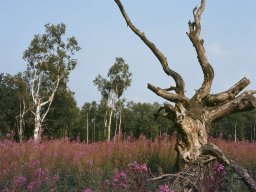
(115, 137)
(38, 124)
(120, 123)
(92, 134)
(251, 132)
(23, 111)
(254, 127)
(109, 124)
(105, 123)
(94, 129)
(87, 128)
(235, 132)
(21, 121)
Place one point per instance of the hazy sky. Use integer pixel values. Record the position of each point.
(228, 29)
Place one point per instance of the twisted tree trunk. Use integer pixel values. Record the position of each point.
(193, 116)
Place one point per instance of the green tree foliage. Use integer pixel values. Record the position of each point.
(111, 89)
(119, 76)
(63, 119)
(14, 104)
(139, 120)
(91, 126)
(8, 103)
(50, 60)
(241, 125)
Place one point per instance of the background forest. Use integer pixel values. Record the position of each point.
(89, 123)
(38, 102)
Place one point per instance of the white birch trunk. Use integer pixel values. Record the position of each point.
(21, 129)
(120, 122)
(38, 125)
(115, 137)
(235, 132)
(254, 127)
(109, 124)
(39, 116)
(87, 128)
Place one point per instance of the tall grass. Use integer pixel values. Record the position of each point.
(243, 152)
(61, 165)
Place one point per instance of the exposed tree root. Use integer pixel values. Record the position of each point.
(199, 175)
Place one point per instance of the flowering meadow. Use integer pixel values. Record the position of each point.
(61, 165)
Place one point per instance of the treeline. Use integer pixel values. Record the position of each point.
(236, 127)
(90, 123)
(37, 103)
(65, 119)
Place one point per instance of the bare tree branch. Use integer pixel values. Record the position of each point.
(39, 78)
(194, 36)
(167, 95)
(32, 88)
(231, 93)
(160, 56)
(244, 102)
(169, 111)
(171, 88)
(50, 100)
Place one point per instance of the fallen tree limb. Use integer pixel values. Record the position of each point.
(245, 176)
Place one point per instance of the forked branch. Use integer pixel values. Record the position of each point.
(160, 56)
(194, 36)
(243, 102)
(230, 94)
(172, 97)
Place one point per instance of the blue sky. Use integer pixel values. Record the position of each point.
(228, 28)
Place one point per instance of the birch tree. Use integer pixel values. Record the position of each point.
(49, 61)
(112, 89)
(120, 77)
(22, 93)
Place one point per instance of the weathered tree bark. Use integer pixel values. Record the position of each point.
(193, 116)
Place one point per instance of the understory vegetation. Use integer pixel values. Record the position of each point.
(121, 165)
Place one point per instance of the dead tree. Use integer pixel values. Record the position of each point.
(193, 116)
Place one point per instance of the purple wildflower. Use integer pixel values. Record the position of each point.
(106, 184)
(140, 168)
(87, 190)
(165, 188)
(56, 178)
(30, 187)
(120, 179)
(35, 163)
(21, 180)
(219, 168)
